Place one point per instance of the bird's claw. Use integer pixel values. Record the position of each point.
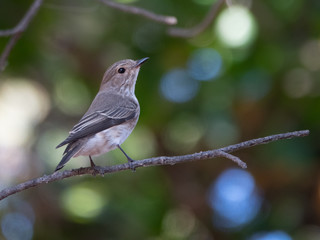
(131, 164)
(96, 170)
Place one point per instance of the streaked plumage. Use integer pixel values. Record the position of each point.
(111, 117)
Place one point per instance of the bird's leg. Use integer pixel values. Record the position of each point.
(91, 162)
(95, 167)
(130, 160)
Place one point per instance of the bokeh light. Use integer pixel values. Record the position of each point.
(204, 64)
(310, 55)
(14, 164)
(298, 83)
(82, 203)
(236, 27)
(272, 235)
(183, 133)
(23, 104)
(254, 85)
(178, 86)
(46, 144)
(178, 224)
(222, 130)
(16, 226)
(71, 95)
(234, 199)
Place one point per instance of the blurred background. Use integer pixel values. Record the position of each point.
(254, 72)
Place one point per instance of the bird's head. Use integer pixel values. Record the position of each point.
(122, 76)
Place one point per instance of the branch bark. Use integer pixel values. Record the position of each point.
(199, 28)
(155, 161)
(169, 20)
(17, 31)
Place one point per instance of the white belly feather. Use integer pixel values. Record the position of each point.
(106, 140)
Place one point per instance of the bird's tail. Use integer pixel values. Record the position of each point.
(70, 151)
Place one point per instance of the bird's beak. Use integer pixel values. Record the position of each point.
(140, 62)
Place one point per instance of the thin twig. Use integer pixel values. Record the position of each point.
(232, 158)
(169, 20)
(164, 160)
(16, 32)
(196, 30)
(3, 58)
(22, 25)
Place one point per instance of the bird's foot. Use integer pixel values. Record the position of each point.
(95, 168)
(131, 165)
(96, 171)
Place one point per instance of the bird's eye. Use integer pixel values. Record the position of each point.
(121, 70)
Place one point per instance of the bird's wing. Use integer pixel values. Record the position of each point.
(105, 111)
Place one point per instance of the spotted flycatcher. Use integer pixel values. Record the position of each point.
(111, 117)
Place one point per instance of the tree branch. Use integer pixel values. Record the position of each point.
(196, 30)
(169, 20)
(163, 160)
(16, 32)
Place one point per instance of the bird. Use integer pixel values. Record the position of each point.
(111, 117)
